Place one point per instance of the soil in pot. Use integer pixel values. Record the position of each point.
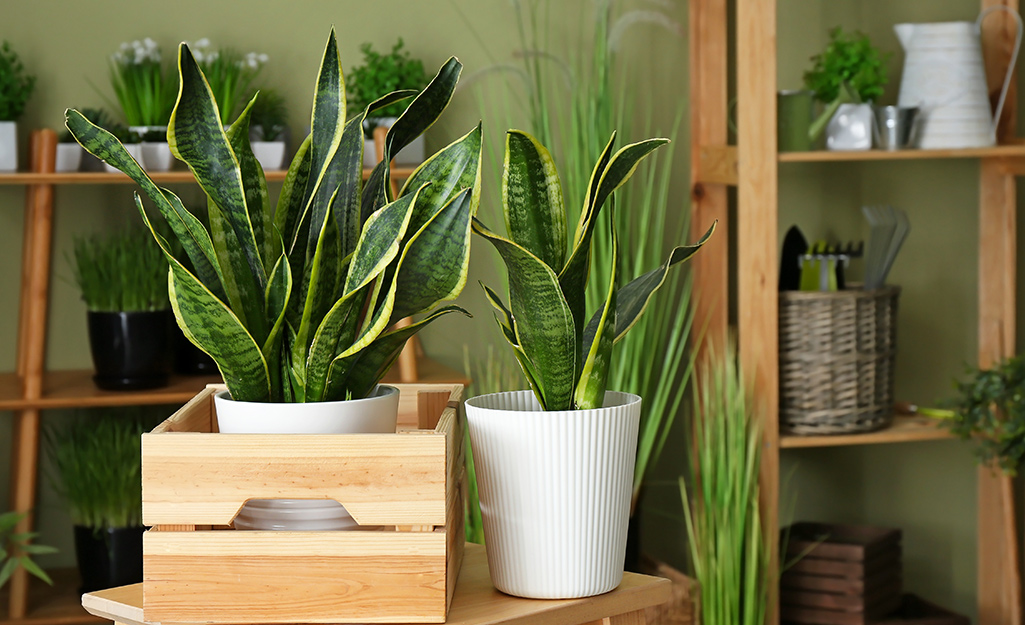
(108, 557)
(131, 350)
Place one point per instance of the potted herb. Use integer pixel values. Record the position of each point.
(98, 474)
(143, 88)
(294, 303)
(69, 153)
(229, 74)
(268, 122)
(123, 280)
(379, 75)
(847, 77)
(558, 529)
(16, 86)
(17, 549)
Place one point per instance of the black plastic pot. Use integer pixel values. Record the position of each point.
(189, 359)
(131, 350)
(108, 557)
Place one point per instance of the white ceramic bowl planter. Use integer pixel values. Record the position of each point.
(554, 492)
(374, 414)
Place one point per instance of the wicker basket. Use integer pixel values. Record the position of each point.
(836, 352)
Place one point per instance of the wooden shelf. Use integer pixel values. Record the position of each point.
(823, 156)
(59, 605)
(905, 429)
(84, 177)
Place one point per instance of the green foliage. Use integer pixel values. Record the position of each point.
(17, 549)
(851, 58)
(16, 84)
(143, 88)
(123, 271)
(269, 116)
(729, 550)
(229, 74)
(98, 471)
(294, 303)
(564, 353)
(381, 74)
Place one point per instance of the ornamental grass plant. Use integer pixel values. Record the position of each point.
(142, 86)
(123, 271)
(230, 75)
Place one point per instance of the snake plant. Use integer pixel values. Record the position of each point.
(565, 355)
(296, 304)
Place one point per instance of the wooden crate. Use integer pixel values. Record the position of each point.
(195, 480)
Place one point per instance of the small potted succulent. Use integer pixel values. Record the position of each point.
(229, 74)
(17, 549)
(98, 474)
(267, 125)
(123, 280)
(297, 304)
(69, 153)
(558, 529)
(381, 74)
(16, 86)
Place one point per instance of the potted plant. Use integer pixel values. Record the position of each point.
(69, 153)
(556, 463)
(16, 86)
(144, 90)
(295, 304)
(268, 122)
(847, 77)
(123, 280)
(17, 549)
(229, 74)
(381, 74)
(156, 154)
(98, 474)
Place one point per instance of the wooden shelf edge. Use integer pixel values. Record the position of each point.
(86, 177)
(905, 429)
(822, 156)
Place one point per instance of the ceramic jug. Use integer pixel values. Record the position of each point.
(945, 78)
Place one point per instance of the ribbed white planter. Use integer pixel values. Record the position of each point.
(374, 414)
(554, 492)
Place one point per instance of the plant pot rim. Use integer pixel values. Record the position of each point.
(383, 390)
(619, 398)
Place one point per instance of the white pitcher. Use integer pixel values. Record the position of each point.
(945, 77)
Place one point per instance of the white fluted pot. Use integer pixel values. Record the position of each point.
(554, 492)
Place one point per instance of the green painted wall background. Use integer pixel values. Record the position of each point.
(926, 488)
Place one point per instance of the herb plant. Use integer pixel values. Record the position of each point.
(121, 272)
(294, 304)
(851, 58)
(16, 84)
(17, 549)
(269, 116)
(143, 88)
(381, 74)
(565, 355)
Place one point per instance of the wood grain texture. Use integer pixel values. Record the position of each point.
(905, 429)
(430, 405)
(998, 33)
(1014, 149)
(718, 164)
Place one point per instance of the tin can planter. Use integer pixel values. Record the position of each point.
(555, 492)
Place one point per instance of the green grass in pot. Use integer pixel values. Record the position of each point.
(294, 304)
(564, 353)
(122, 271)
(381, 74)
(16, 85)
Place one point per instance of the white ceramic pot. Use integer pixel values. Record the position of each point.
(8, 146)
(69, 157)
(375, 414)
(156, 156)
(135, 150)
(270, 154)
(555, 492)
(412, 154)
(850, 128)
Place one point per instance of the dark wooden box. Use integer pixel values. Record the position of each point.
(846, 543)
(914, 610)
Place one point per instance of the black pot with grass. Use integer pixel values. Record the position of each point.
(123, 279)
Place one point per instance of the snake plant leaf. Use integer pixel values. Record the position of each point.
(544, 321)
(450, 170)
(328, 117)
(634, 298)
(338, 329)
(598, 345)
(532, 199)
(320, 281)
(288, 212)
(380, 242)
(362, 371)
(279, 286)
(255, 185)
(187, 228)
(433, 265)
(234, 263)
(592, 184)
(502, 315)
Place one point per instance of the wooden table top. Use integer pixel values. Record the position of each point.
(476, 602)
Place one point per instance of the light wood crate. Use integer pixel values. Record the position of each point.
(195, 480)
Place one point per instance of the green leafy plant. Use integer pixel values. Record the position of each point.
(381, 74)
(16, 84)
(294, 303)
(565, 356)
(120, 272)
(229, 74)
(17, 549)
(729, 550)
(98, 469)
(851, 58)
(269, 116)
(143, 88)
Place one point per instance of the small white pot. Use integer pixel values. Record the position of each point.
(8, 146)
(156, 156)
(555, 492)
(412, 154)
(850, 128)
(375, 414)
(135, 150)
(69, 157)
(270, 154)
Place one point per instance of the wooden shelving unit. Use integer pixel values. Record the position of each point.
(753, 167)
(31, 388)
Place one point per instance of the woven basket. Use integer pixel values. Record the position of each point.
(836, 352)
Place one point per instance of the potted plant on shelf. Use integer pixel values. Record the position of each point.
(17, 549)
(555, 464)
(268, 122)
(145, 91)
(296, 304)
(16, 86)
(381, 74)
(69, 153)
(229, 75)
(98, 474)
(123, 280)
